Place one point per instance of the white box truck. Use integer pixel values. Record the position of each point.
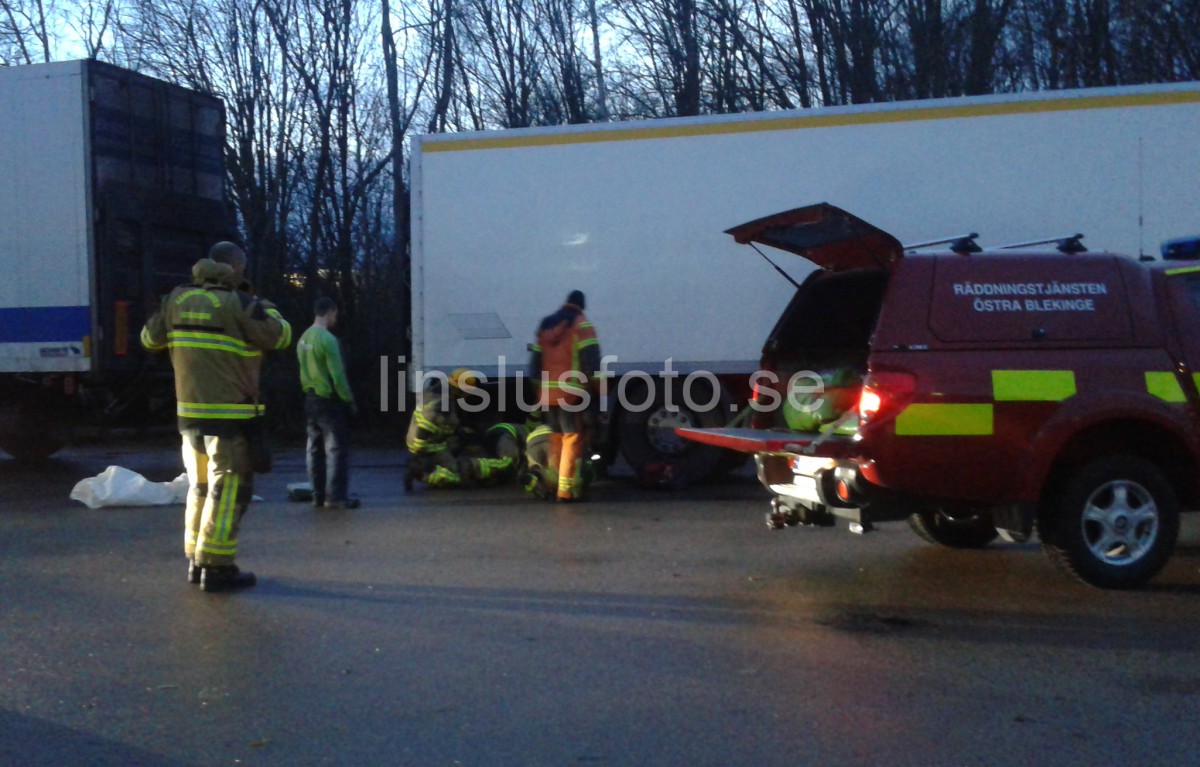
(112, 187)
(505, 224)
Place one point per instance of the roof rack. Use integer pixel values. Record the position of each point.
(961, 244)
(1070, 244)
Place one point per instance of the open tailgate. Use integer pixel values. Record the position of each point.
(763, 441)
(824, 234)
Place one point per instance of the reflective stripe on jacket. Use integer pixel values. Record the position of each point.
(215, 335)
(433, 423)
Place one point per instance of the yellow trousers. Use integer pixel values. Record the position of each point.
(220, 486)
(566, 454)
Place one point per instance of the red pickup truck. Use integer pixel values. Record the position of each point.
(980, 394)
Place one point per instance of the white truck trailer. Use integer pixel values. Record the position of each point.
(505, 224)
(113, 186)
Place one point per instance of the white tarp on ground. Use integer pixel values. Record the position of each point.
(118, 486)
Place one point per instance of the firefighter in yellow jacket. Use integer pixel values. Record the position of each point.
(435, 434)
(566, 358)
(539, 477)
(216, 334)
(504, 444)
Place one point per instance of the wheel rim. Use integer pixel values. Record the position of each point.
(1120, 522)
(660, 430)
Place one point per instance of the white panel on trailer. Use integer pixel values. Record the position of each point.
(505, 224)
(45, 231)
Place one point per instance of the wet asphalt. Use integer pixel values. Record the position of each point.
(481, 628)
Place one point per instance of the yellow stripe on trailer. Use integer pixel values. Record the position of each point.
(801, 120)
(949, 420)
(1033, 385)
(1165, 386)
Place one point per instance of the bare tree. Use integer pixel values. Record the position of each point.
(598, 61)
(225, 47)
(788, 43)
(664, 39)
(444, 45)
(741, 66)
(25, 31)
(324, 45)
(559, 29)
(929, 39)
(503, 58)
(1180, 36)
(95, 24)
(984, 26)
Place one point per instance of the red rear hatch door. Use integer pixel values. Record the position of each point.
(824, 234)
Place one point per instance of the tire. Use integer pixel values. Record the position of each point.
(936, 526)
(31, 433)
(1115, 523)
(648, 436)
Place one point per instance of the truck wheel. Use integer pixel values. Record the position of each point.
(1115, 523)
(31, 433)
(967, 532)
(649, 436)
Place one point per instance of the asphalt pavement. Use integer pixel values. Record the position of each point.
(481, 627)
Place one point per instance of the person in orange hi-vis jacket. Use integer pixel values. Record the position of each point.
(566, 359)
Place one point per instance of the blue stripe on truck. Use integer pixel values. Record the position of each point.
(37, 324)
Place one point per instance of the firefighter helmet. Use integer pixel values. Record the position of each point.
(463, 379)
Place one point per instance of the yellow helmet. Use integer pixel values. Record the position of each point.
(462, 379)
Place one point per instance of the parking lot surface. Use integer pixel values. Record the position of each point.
(480, 627)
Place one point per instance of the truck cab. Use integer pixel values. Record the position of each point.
(981, 394)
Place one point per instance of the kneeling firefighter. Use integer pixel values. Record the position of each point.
(505, 444)
(434, 438)
(540, 473)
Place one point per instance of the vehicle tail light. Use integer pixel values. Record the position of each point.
(869, 403)
(843, 490)
(884, 394)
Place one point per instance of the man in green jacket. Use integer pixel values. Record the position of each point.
(215, 334)
(328, 403)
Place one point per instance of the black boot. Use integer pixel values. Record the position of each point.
(534, 481)
(225, 578)
(193, 572)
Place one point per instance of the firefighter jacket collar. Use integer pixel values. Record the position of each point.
(564, 318)
(207, 272)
